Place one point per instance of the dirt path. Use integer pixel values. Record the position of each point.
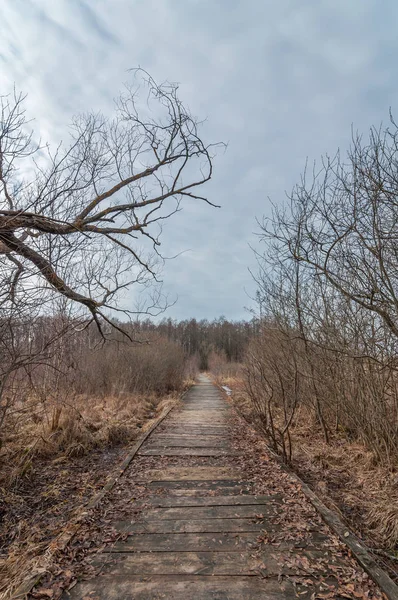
(216, 526)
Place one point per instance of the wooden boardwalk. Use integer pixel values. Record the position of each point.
(198, 536)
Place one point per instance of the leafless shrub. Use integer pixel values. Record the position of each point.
(327, 284)
(273, 386)
(155, 366)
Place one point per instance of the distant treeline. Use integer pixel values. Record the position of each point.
(47, 357)
(201, 338)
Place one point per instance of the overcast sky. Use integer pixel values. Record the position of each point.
(278, 81)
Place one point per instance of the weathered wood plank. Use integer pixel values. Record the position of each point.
(245, 511)
(198, 542)
(184, 563)
(201, 417)
(203, 492)
(187, 501)
(189, 473)
(184, 451)
(206, 412)
(185, 542)
(268, 562)
(195, 526)
(185, 434)
(209, 403)
(205, 485)
(195, 442)
(186, 588)
(197, 423)
(195, 431)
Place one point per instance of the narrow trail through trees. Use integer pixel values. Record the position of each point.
(204, 533)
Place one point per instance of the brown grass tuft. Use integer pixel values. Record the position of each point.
(384, 521)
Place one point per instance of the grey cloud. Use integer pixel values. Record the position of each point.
(278, 81)
(94, 22)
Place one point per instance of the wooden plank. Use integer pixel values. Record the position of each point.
(203, 492)
(201, 404)
(207, 410)
(184, 542)
(185, 410)
(185, 588)
(199, 542)
(189, 442)
(200, 427)
(199, 442)
(187, 437)
(203, 410)
(185, 563)
(198, 423)
(205, 402)
(189, 473)
(187, 451)
(193, 526)
(188, 427)
(212, 486)
(175, 416)
(186, 433)
(270, 562)
(201, 417)
(194, 431)
(159, 501)
(245, 511)
(197, 396)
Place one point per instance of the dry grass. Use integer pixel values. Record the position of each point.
(223, 370)
(345, 472)
(384, 520)
(230, 379)
(70, 429)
